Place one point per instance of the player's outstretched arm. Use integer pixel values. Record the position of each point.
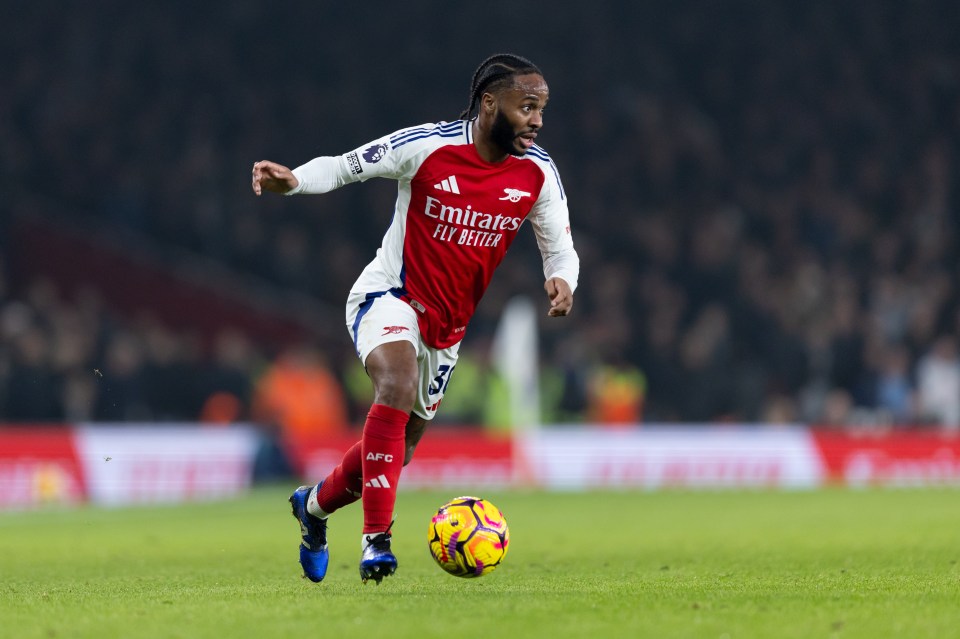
(270, 176)
(561, 297)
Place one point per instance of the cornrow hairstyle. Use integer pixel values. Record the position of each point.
(495, 72)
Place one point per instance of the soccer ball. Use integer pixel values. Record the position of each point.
(468, 537)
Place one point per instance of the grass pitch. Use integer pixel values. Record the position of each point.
(835, 563)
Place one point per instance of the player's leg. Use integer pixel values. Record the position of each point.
(314, 555)
(415, 429)
(406, 376)
(409, 381)
(393, 370)
(342, 487)
(313, 504)
(386, 335)
(366, 317)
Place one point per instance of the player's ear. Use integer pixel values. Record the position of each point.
(488, 102)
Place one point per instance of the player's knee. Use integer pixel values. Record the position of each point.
(397, 390)
(395, 374)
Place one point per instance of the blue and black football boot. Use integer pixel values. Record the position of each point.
(377, 561)
(314, 556)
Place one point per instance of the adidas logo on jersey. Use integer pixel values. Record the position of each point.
(449, 185)
(379, 481)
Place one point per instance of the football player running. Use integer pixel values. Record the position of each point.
(464, 189)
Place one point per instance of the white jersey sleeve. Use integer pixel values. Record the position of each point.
(396, 156)
(550, 219)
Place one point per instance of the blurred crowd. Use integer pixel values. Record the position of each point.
(763, 196)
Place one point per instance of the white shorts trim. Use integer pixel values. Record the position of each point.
(378, 318)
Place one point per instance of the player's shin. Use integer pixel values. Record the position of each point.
(341, 487)
(382, 457)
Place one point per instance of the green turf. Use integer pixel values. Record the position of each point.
(715, 564)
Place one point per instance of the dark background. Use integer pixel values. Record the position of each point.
(763, 195)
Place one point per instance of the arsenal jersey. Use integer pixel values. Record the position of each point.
(456, 215)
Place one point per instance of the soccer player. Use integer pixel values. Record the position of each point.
(464, 189)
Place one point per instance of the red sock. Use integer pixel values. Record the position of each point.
(382, 453)
(342, 487)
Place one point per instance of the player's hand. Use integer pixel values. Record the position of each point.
(561, 297)
(271, 176)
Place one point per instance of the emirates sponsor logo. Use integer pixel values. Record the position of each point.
(470, 217)
(468, 226)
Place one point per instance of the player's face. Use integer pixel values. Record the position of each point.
(519, 114)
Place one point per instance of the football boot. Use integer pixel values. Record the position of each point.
(314, 556)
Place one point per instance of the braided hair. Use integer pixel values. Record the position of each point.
(495, 72)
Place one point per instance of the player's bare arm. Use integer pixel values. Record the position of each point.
(561, 297)
(274, 177)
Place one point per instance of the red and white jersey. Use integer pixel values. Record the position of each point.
(456, 215)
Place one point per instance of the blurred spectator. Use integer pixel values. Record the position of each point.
(780, 410)
(838, 409)
(123, 395)
(938, 383)
(893, 387)
(759, 217)
(169, 379)
(298, 393)
(565, 383)
(33, 388)
(227, 380)
(616, 395)
(297, 400)
(706, 358)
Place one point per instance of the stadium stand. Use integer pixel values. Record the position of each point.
(764, 238)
